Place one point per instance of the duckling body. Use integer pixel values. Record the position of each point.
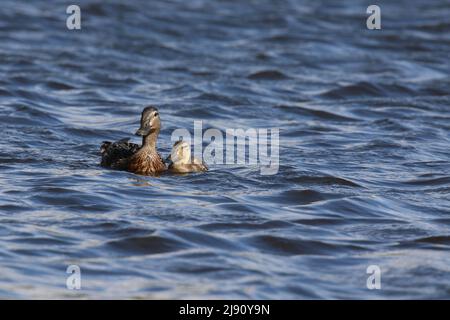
(145, 159)
(181, 161)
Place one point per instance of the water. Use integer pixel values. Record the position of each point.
(364, 176)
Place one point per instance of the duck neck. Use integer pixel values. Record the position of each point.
(149, 142)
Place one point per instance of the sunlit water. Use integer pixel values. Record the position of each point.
(364, 176)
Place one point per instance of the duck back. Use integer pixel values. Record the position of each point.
(116, 155)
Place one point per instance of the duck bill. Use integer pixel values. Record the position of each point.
(143, 131)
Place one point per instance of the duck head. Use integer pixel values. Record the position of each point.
(181, 153)
(150, 122)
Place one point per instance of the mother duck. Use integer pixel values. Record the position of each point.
(145, 160)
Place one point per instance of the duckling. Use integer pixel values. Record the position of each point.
(145, 160)
(181, 161)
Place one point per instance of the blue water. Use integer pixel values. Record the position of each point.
(364, 176)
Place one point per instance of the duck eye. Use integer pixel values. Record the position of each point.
(156, 114)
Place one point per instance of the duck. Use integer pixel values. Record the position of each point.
(180, 159)
(144, 159)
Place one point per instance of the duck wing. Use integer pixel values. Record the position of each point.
(116, 154)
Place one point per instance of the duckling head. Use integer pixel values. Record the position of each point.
(150, 122)
(181, 153)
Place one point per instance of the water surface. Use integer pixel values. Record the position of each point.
(364, 175)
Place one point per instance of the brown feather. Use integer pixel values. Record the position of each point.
(145, 160)
(146, 163)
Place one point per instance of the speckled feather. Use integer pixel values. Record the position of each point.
(117, 154)
(146, 163)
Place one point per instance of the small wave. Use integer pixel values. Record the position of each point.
(291, 246)
(116, 228)
(76, 201)
(322, 180)
(45, 241)
(204, 239)
(268, 75)
(361, 89)
(5, 93)
(378, 144)
(214, 97)
(390, 125)
(366, 89)
(429, 182)
(202, 113)
(58, 85)
(437, 26)
(96, 9)
(321, 114)
(321, 222)
(303, 197)
(440, 240)
(148, 245)
(273, 224)
(14, 208)
(27, 115)
(440, 221)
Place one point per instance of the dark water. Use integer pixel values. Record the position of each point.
(364, 175)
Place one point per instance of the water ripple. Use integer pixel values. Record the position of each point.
(364, 173)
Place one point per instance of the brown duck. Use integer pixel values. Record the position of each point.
(145, 160)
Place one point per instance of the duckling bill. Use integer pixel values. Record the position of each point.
(145, 159)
